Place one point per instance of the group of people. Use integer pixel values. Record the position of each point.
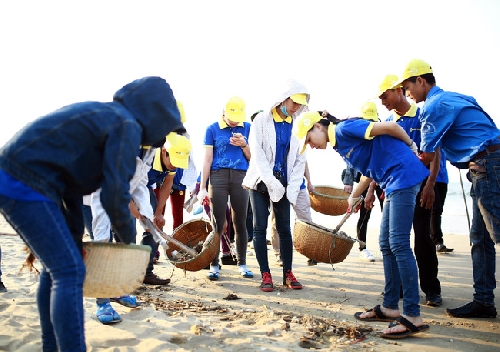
(52, 163)
(384, 153)
(258, 163)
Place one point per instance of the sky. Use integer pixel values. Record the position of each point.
(54, 53)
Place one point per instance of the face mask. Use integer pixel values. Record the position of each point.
(283, 110)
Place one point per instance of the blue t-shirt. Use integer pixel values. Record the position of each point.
(158, 171)
(225, 155)
(303, 185)
(15, 189)
(283, 130)
(442, 176)
(385, 159)
(409, 122)
(177, 180)
(458, 124)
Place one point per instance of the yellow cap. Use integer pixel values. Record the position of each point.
(178, 148)
(299, 98)
(235, 110)
(303, 124)
(369, 111)
(181, 110)
(415, 67)
(390, 82)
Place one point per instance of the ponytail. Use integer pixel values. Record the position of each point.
(327, 118)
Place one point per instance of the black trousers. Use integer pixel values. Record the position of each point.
(424, 248)
(440, 189)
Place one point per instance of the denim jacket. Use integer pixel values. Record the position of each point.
(75, 150)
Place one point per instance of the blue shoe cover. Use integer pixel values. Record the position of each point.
(107, 315)
(128, 301)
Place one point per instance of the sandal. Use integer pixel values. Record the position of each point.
(107, 315)
(410, 329)
(127, 301)
(379, 315)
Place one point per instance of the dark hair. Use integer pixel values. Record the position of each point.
(428, 77)
(327, 118)
(255, 114)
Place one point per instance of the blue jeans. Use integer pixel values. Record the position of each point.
(0, 263)
(485, 228)
(260, 207)
(400, 266)
(43, 228)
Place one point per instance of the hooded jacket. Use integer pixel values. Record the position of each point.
(262, 143)
(75, 150)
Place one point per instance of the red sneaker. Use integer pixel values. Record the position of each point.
(267, 282)
(290, 281)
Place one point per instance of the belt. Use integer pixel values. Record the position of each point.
(490, 149)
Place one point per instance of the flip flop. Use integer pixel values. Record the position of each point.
(379, 315)
(410, 329)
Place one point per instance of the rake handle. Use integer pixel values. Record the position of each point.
(344, 219)
(152, 227)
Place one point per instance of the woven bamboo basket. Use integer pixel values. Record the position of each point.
(329, 200)
(320, 243)
(192, 233)
(114, 269)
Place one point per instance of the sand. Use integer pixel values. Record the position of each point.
(195, 314)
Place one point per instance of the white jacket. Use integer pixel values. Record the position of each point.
(262, 143)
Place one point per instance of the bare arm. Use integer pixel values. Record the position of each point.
(392, 129)
(363, 184)
(428, 196)
(307, 175)
(240, 141)
(134, 211)
(164, 194)
(207, 165)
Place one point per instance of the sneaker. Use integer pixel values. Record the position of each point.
(278, 260)
(2, 287)
(441, 248)
(129, 301)
(433, 300)
(267, 282)
(290, 281)
(472, 310)
(311, 262)
(229, 260)
(153, 279)
(107, 315)
(366, 256)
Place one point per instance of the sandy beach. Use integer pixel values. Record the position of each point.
(232, 314)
